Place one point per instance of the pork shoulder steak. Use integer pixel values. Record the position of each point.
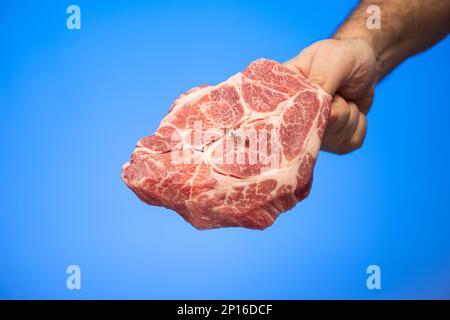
(219, 179)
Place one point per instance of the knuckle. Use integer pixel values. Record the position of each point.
(355, 142)
(353, 107)
(345, 146)
(338, 100)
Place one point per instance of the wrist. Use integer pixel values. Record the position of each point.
(365, 42)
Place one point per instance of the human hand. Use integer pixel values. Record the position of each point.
(345, 69)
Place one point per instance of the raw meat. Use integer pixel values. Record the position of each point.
(236, 154)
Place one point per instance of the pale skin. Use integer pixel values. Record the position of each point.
(349, 65)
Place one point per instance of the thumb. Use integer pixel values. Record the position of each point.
(322, 65)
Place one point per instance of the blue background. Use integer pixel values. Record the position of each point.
(74, 103)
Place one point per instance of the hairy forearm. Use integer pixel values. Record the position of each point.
(407, 27)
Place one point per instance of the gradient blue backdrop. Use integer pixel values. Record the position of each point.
(74, 103)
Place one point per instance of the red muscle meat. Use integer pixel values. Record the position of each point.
(237, 154)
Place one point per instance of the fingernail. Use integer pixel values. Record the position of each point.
(333, 116)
